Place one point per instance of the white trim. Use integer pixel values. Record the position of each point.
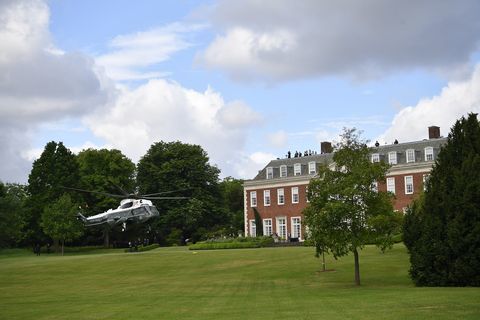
(297, 169)
(278, 184)
(292, 227)
(412, 153)
(277, 227)
(296, 193)
(310, 165)
(252, 226)
(269, 173)
(428, 152)
(408, 184)
(266, 195)
(375, 157)
(392, 184)
(265, 229)
(391, 159)
(278, 196)
(285, 171)
(253, 195)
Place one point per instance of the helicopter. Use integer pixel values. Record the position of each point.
(133, 208)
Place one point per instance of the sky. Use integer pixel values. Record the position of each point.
(248, 80)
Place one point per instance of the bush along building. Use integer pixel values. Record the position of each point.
(279, 191)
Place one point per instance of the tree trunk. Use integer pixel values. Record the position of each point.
(357, 267)
(323, 262)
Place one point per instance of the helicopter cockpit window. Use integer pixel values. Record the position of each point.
(126, 205)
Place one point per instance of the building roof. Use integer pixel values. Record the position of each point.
(327, 158)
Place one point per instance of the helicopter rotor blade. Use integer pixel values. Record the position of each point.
(164, 192)
(165, 198)
(125, 193)
(98, 192)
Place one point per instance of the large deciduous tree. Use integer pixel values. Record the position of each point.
(232, 190)
(56, 168)
(59, 220)
(184, 168)
(442, 229)
(345, 212)
(12, 214)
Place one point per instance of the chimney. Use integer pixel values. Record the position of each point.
(325, 147)
(433, 132)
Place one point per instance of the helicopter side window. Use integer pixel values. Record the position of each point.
(126, 205)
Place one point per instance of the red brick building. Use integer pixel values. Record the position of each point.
(278, 192)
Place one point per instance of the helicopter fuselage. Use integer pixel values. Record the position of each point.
(130, 210)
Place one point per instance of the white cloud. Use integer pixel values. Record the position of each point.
(276, 40)
(248, 166)
(164, 110)
(132, 53)
(278, 139)
(38, 83)
(457, 99)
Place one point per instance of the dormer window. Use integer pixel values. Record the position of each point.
(312, 168)
(375, 157)
(428, 154)
(392, 157)
(283, 171)
(297, 169)
(269, 173)
(410, 155)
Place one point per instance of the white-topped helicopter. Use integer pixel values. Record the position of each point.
(133, 208)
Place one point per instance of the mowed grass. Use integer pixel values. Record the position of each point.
(267, 283)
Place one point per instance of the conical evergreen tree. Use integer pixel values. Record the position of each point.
(443, 231)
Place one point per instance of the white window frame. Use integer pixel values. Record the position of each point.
(295, 195)
(391, 184)
(409, 185)
(281, 227)
(392, 157)
(253, 228)
(283, 171)
(267, 228)
(281, 196)
(374, 186)
(312, 168)
(375, 157)
(429, 152)
(266, 198)
(297, 169)
(425, 180)
(269, 173)
(306, 195)
(296, 227)
(253, 199)
(410, 155)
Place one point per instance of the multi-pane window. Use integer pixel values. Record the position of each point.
(392, 157)
(375, 157)
(410, 155)
(428, 154)
(408, 184)
(296, 227)
(283, 171)
(281, 196)
(266, 197)
(306, 194)
(374, 186)
(297, 169)
(295, 196)
(391, 185)
(253, 198)
(267, 227)
(269, 173)
(253, 229)
(282, 227)
(312, 168)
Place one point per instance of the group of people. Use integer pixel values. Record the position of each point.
(298, 154)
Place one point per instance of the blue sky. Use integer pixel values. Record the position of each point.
(247, 80)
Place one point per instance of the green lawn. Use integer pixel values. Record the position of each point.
(268, 283)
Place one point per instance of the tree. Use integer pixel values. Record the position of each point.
(12, 215)
(56, 168)
(182, 170)
(104, 171)
(345, 212)
(59, 220)
(442, 229)
(232, 190)
(258, 223)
